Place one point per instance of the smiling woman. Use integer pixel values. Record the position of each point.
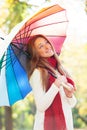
(46, 74)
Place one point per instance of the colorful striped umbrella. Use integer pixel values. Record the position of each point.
(14, 84)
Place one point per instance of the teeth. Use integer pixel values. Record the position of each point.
(49, 50)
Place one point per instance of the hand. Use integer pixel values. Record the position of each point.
(62, 79)
(59, 80)
(69, 92)
(75, 88)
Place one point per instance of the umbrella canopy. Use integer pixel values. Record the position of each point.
(51, 22)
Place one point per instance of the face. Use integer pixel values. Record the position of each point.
(43, 47)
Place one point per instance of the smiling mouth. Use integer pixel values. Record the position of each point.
(49, 51)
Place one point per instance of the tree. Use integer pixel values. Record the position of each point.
(8, 118)
(86, 6)
(17, 12)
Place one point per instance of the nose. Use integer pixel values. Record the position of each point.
(47, 46)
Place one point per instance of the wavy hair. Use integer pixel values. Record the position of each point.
(41, 63)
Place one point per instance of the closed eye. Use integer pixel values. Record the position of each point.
(41, 46)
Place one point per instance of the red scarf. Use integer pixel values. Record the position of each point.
(54, 116)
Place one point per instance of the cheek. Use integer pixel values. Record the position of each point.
(41, 53)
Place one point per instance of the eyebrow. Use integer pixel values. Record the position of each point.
(42, 42)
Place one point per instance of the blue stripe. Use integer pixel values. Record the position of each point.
(16, 78)
(21, 77)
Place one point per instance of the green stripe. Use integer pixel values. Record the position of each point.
(1, 62)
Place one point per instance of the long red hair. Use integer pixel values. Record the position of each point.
(41, 63)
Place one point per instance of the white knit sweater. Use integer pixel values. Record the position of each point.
(44, 99)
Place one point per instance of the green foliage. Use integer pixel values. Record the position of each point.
(2, 118)
(86, 6)
(23, 114)
(74, 57)
(17, 12)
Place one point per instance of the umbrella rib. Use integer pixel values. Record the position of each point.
(11, 58)
(25, 52)
(16, 37)
(22, 34)
(44, 17)
(6, 63)
(6, 59)
(41, 26)
(48, 15)
(48, 24)
(27, 31)
(55, 36)
(14, 73)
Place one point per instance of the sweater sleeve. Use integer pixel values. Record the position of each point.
(42, 99)
(71, 101)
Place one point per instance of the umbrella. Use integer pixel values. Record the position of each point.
(50, 21)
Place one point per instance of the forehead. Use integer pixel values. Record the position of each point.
(40, 40)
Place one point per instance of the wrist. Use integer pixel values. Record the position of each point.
(57, 84)
(69, 96)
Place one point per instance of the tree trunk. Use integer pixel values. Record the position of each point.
(0, 120)
(84, 119)
(8, 118)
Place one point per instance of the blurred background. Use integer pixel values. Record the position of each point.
(73, 56)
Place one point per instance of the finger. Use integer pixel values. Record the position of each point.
(66, 86)
(75, 88)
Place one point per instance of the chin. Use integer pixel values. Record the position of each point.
(50, 55)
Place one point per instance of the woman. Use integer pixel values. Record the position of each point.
(47, 77)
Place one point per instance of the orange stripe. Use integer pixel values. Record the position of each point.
(44, 13)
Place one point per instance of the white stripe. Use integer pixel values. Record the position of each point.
(8, 38)
(2, 44)
(4, 101)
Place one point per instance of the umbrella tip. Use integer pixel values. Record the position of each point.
(2, 38)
